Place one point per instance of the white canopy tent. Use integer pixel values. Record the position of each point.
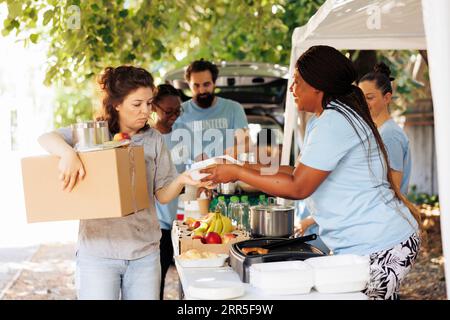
(383, 25)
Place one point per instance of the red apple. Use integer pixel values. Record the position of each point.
(213, 238)
(121, 136)
(125, 135)
(195, 224)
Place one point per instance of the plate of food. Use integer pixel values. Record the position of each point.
(194, 258)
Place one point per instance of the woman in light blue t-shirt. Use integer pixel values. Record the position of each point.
(342, 174)
(377, 89)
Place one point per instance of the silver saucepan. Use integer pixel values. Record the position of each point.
(272, 220)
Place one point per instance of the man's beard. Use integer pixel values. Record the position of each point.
(205, 100)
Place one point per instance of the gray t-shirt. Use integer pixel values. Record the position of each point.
(136, 235)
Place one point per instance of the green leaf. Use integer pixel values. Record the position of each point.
(145, 19)
(130, 57)
(14, 9)
(136, 42)
(157, 23)
(105, 31)
(47, 16)
(156, 55)
(50, 75)
(5, 32)
(15, 24)
(108, 39)
(34, 37)
(123, 13)
(32, 13)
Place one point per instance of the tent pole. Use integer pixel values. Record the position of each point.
(437, 30)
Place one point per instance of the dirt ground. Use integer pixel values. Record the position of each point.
(49, 275)
(426, 281)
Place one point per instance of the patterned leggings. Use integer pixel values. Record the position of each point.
(389, 267)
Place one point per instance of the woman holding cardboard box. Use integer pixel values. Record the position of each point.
(119, 257)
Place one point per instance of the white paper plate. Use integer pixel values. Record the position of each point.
(216, 290)
(194, 171)
(203, 263)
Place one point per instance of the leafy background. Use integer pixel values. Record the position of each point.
(164, 35)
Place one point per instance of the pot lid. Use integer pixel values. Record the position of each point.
(86, 124)
(271, 205)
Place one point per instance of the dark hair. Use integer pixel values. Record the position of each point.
(328, 70)
(165, 90)
(116, 84)
(381, 74)
(199, 66)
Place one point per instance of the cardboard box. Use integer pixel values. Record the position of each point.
(182, 240)
(105, 191)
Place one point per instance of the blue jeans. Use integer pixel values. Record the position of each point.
(111, 279)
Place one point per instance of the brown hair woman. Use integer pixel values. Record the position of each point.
(119, 257)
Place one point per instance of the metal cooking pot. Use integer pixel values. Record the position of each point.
(272, 220)
(83, 134)
(101, 132)
(90, 133)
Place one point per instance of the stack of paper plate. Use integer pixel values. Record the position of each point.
(216, 290)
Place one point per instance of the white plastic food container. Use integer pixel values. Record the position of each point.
(340, 273)
(194, 171)
(216, 290)
(219, 261)
(282, 278)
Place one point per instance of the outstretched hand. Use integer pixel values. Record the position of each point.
(221, 173)
(186, 179)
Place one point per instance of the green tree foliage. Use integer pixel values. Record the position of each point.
(85, 36)
(72, 105)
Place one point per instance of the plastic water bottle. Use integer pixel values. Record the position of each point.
(245, 214)
(233, 213)
(222, 206)
(262, 200)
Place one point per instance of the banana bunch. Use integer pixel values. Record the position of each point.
(215, 222)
